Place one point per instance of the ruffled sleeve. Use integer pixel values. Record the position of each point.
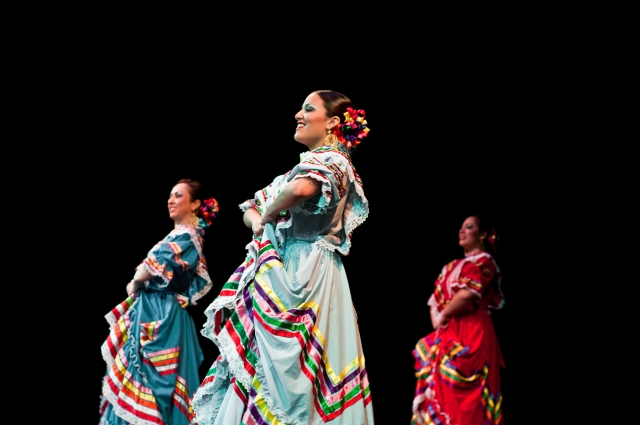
(177, 263)
(262, 198)
(201, 283)
(331, 169)
(341, 187)
(442, 293)
(340, 201)
(481, 276)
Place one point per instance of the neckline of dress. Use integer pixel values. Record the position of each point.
(474, 255)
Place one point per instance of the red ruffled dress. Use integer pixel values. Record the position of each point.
(458, 366)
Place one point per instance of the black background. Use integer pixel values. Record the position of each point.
(440, 147)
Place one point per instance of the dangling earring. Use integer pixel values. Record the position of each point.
(193, 221)
(482, 245)
(331, 140)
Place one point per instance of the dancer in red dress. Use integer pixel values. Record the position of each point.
(458, 364)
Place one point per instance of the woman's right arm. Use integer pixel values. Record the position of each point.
(138, 281)
(251, 219)
(475, 277)
(292, 195)
(435, 316)
(457, 304)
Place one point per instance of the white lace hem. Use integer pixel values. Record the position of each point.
(203, 273)
(359, 190)
(429, 394)
(236, 365)
(153, 272)
(357, 221)
(201, 293)
(326, 246)
(122, 413)
(225, 344)
(204, 413)
(111, 320)
(106, 354)
(106, 351)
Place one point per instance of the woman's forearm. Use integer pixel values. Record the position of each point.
(291, 196)
(251, 216)
(141, 276)
(138, 281)
(433, 312)
(457, 303)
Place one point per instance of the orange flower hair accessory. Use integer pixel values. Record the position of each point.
(493, 239)
(209, 210)
(353, 130)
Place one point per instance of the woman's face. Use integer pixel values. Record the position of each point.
(312, 122)
(181, 207)
(469, 236)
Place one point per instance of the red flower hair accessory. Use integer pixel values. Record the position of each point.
(493, 239)
(209, 210)
(353, 130)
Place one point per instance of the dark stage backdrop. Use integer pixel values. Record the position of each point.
(425, 167)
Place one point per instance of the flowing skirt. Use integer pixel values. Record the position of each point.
(290, 349)
(152, 355)
(458, 374)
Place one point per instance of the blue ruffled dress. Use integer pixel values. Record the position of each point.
(152, 351)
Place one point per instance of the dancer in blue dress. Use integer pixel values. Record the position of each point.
(152, 351)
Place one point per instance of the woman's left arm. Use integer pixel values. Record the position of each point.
(292, 195)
